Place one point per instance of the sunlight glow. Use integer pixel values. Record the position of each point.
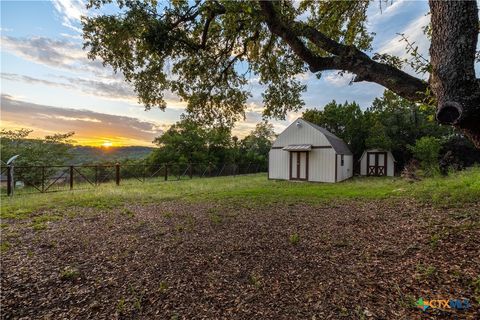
(107, 144)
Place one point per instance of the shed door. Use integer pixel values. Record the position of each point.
(376, 163)
(298, 165)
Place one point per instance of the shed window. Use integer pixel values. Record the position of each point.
(341, 160)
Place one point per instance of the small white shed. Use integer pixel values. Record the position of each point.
(377, 162)
(305, 151)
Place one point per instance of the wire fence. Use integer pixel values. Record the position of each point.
(43, 179)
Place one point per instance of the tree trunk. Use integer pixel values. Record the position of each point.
(455, 29)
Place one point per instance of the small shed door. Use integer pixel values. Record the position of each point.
(376, 163)
(298, 165)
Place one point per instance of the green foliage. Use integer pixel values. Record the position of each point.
(377, 137)
(398, 123)
(254, 148)
(206, 51)
(255, 280)
(51, 150)
(214, 217)
(69, 273)
(189, 141)
(96, 155)
(343, 120)
(294, 238)
(4, 246)
(427, 150)
(476, 288)
(425, 272)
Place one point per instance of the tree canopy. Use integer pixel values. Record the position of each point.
(191, 142)
(51, 150)
(206, 52)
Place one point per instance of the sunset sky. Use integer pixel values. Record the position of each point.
(49, 85)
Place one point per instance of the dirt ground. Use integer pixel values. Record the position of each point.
(351, 260)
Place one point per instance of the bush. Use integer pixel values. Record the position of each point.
(427, 150)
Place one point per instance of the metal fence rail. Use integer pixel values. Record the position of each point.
(44, 178)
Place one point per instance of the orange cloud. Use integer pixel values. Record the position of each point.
(91, 128)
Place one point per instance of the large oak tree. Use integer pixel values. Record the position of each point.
(207, 52)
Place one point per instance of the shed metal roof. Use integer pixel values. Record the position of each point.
(338, 144)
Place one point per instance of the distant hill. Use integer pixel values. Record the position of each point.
(86, 154)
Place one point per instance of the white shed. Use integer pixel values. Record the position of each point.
(305, 151)
(376, 162)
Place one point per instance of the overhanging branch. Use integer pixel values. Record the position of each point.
(344, 57)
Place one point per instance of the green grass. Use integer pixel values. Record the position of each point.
(253, 190)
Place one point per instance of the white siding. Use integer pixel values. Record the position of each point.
(321, 161)
(346, 171)
(278, 164)
(363, 164)
(303, 134)
(390, 165)
(321, 165)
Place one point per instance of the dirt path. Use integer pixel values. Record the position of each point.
(183, 261)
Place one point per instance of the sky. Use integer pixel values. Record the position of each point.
(50, 86)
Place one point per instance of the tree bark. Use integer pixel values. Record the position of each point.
(452, 52)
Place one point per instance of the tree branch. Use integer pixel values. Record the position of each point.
(213, 12)
(343, 57)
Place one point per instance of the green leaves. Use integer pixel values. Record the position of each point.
(205, 52)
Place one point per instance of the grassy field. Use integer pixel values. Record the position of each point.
(456, 189)
(243, 247)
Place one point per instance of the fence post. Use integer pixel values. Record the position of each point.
(117, 173)
(234, 169)
(190, 173)
(9, 181)
(144, 171)
(71, 177)
(166, 172)
(96, 175)
(43, 178)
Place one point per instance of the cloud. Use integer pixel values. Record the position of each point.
(113, 89)
(338, 79)
(32, 80)
(88, 125)
(58, 54)
(384, 11)
(414, 33)
(70, 12)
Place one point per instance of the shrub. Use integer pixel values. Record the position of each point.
(294, 238)
(426, 150)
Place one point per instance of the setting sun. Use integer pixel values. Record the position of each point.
(107, 144)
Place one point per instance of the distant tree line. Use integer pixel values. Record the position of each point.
(407, 129)
(189, 142)
(51, 150)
